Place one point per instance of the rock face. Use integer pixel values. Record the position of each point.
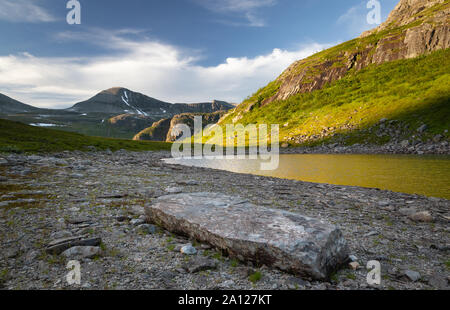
(157, 132)
(288, 241)
(132, 122)
(415, 27)
(188, 119)
(164, 130)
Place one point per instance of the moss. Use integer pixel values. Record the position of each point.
(255, 277)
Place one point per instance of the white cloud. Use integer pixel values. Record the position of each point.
(156, 69)
(248, 9)
(24, 11)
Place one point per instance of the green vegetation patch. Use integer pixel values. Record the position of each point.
(18, 137)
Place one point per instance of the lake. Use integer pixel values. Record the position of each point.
(413, 174)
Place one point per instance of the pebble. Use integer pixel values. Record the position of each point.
(354, 265)
(188, 250)
(80, 252)
(412, 275)
(424, 216)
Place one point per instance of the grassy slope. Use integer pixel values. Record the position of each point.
(413, 91)
(18, 137)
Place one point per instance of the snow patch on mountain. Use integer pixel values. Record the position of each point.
(126, 101)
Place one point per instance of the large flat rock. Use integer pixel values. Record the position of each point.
(291, 242)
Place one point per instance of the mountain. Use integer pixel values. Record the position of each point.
(397, 71)
(164, 130)
(9, 105)
(116, 112)
(121, 100)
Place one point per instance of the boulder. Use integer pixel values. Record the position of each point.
(291, 242)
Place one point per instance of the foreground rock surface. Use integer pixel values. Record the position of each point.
(288, 241)
(375, 223)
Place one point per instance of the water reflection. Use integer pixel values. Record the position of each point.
(424, 175)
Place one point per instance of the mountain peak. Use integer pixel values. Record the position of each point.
(115, 91)
(410, 11)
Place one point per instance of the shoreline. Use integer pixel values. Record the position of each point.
(109, 190)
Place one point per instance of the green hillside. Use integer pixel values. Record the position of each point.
(18, 137)
(411, 92)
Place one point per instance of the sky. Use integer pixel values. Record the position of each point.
(172, 50)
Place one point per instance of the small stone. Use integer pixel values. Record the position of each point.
(137, 222)
(136, 210)
(404, 143)
(61, 234)
(353, 258)
(31, 256)
(354, 265)
(78, 220)
(188, 250)
(422, 128)
(122, 218)
(147, 229)
(80, 252)
(3, 162)
(413, 276)
(424, 216)
(437, 138)
(294, 283)
(200, 264)
(227, 284)
(284, 145)
(372, 233)
(174, 190)
(188, 182)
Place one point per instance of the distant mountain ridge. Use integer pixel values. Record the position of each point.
(122, 100)
(9, 105)
(119, 100)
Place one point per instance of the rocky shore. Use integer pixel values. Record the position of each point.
(90, 207)
(405, 147)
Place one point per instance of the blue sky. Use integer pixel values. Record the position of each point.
(174, 50)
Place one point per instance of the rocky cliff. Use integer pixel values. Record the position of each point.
(164, 129)
(157, 132)
(415, 27)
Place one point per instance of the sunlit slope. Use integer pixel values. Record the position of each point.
(409, 92)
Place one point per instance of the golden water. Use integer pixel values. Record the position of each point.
(423, 175)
